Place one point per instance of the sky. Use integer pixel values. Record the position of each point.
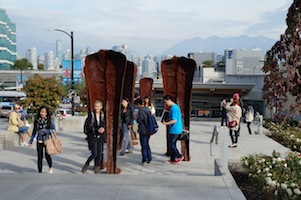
(146, 27)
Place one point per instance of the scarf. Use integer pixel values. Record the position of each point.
(42, 123)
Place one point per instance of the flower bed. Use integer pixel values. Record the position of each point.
(275, 177)
(286, 135)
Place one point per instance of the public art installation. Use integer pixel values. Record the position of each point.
(128, 92)
(177, 76)
(146, 87)
(169, 76)
(104, 73)
(129, 81)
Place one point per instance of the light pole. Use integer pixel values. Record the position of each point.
(72, 67)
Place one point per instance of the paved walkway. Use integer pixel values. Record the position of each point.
(187, 180)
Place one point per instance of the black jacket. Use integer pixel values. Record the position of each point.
(91, 128)
(142, 120)
(127, 117)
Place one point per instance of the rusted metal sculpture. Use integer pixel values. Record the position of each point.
(186, 68)
(128, 92)
(104, 73)
(177, 76)
(146, 87)
(129, 81)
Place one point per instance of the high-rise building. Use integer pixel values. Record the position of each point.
(49, 61)
(8, 45)
(41, 60)
(32, 57)
(59, 50)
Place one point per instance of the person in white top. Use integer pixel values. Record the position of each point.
(234, 114)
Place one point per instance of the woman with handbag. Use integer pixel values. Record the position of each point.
(127, 124)
(95, 126)
(43, 126)
(234, 114)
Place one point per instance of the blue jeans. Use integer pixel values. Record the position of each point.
(23, 129)
(145, 149)
(173, 146)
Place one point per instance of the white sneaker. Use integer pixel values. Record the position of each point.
(24, 144)
(50, 170)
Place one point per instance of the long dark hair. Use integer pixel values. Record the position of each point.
(149, 101)
(49, 121)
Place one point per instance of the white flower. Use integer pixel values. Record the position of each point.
(283, 186)
(289, 192)
(285, 165)
(266, 169)
(273, 183)
(298, 140)
(297, 191)
(268, 180)
(293, 185)
(263, 160)
(292, 136)
(276, 193)
(283, 159)
(246, 163)
(299, 162)
(269, 174)
(258, 171)
(279, 159)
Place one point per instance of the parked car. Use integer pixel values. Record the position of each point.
(64, 112)
(66, 101)
(6, 110)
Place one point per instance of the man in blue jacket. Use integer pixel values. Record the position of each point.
(175, 128)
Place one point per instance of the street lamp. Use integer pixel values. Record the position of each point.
(72, 66)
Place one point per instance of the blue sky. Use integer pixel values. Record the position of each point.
(145, 26)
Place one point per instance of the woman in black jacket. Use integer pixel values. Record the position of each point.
(95, 128)
(127, 122)
(43, 125)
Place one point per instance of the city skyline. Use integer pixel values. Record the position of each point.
(146, 27)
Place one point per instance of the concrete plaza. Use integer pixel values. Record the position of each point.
(186, 180)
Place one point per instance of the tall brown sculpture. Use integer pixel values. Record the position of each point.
(104, 73)
(129, 81)
(185, 73)
(128, 92)
(169, 75)
(95, 80)
(146, 87)
(177, 76)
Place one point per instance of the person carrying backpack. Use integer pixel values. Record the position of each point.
(143, 130)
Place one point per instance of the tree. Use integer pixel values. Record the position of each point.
(22, 64)
(40, 66)
(42, 91)
(283, 62)
(207, 63)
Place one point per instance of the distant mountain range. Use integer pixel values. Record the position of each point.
(219, 44)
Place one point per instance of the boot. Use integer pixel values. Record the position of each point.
(85, 168)
(96, 169)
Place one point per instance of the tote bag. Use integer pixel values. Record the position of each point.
(53, 144)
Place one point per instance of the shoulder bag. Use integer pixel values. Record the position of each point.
(53, 144)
